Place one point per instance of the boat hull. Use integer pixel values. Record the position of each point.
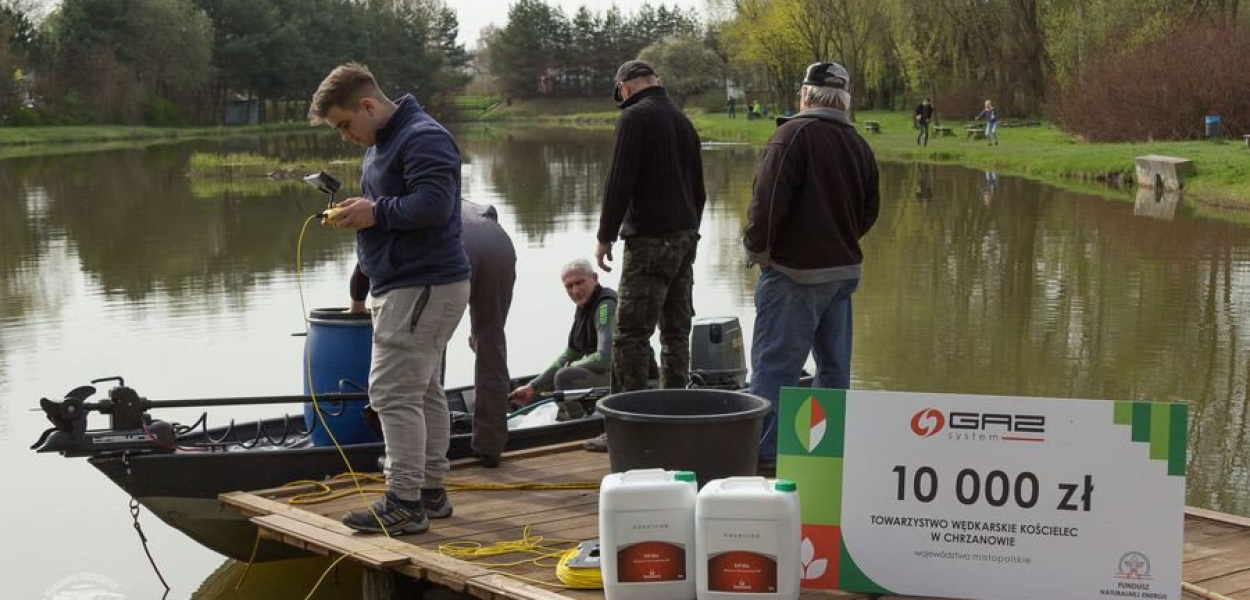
(181, 488)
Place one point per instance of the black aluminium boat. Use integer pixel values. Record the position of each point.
(177, 472)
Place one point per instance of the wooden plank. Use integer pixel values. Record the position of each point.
(1201, 592)
(546, 466)
(1199, 530)
(1230, 583)
(446, 571)
(499, 586)
(1230, 546)
(1218, 517)
(359, 551)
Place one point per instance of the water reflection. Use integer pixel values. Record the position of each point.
(973, 283)
(1156, 203)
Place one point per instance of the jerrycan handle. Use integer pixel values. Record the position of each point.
(745, 483)
(645, 475)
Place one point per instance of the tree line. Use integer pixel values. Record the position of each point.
(1032, 57)
(175, 62)
(542, 51)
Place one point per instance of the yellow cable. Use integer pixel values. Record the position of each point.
(578, 579)
(326, 572)
(312, 391)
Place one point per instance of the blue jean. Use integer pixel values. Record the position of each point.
(791, 321)
(991, 132)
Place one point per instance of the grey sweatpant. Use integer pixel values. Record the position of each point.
(411, 327)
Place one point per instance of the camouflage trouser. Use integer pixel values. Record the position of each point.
(657, 278)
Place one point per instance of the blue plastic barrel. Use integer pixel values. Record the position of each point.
(1214, 126)
(339, 344)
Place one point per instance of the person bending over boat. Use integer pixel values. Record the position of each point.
(493, 261)
(587, 360)
(407, 223)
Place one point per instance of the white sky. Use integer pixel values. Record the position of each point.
(476, 14)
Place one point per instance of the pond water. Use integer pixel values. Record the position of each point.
(113, 263)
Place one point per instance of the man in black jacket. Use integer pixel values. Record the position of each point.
(815, 195)
(923, 115)
(653, 199)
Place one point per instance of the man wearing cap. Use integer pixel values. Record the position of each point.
(653, 199)
(815, 195)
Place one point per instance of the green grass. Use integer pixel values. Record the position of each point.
(35, 136)
(578, 111)
(205, 165)
(1043, 153)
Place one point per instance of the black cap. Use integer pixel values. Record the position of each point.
(827, 74)
(630, 69)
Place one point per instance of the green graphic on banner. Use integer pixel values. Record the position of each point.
(1162, 425)
(811, 422)
(850, 577)
(820, 479)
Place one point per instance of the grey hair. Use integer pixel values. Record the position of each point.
(577, 265)
(826, 97)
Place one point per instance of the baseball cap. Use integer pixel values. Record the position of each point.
(827, 74)
(629, 70)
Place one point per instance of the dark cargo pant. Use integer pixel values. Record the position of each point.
(657, 280)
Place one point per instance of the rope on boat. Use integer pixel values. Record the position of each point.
(326, 493)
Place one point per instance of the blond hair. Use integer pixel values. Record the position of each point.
(342, 88)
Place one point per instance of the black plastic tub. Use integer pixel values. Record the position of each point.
(715, 433)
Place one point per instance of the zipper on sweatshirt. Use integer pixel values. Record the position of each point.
(419, 308)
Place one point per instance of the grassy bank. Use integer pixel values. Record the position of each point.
(1044, 153)
(95, 134)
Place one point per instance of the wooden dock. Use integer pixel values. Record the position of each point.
(1216, 560)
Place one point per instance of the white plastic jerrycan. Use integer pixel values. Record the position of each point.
(646, 535)
(747, 535)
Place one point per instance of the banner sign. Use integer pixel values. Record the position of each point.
(987, 497)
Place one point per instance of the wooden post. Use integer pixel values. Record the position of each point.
(378, 585)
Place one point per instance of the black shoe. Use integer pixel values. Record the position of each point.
(487, 460)
(398, 516)
(437, 504)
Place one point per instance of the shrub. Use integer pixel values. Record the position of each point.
(1164, 90)
(159, 112)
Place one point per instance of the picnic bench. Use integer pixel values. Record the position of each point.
(943, 131)
(974, 132)
(873, 126)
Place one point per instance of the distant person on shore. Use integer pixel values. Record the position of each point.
(586, 361)
(991, 123)
(924, 114)
(731, 106)
(758, 110)
(653, 199)
(407, 223)
(816, 193)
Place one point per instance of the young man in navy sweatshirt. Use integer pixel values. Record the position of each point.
(407, 224)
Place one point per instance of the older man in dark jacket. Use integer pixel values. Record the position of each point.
(815, 196)
(653, 199)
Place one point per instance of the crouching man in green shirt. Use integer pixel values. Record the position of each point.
(587, 360)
